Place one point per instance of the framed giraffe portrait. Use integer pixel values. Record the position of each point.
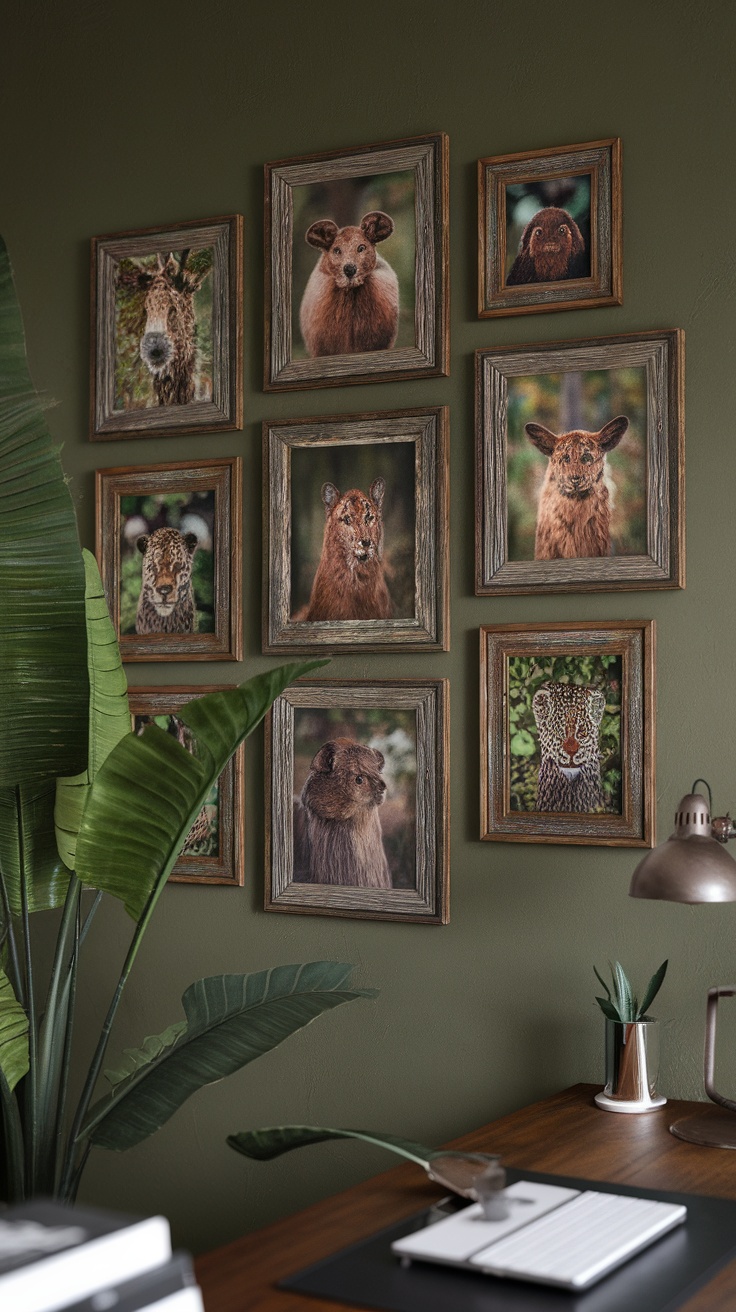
(567, 733)
(213, 850)
(166, 333)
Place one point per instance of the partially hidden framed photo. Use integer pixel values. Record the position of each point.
(357, 811)
(357, 265)
(356, 532)
(567, 733)
(213, 851)
(166, 334)
(169, 547)
(580, 477)
(549, 229)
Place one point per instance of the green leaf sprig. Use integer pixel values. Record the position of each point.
(620, 1002)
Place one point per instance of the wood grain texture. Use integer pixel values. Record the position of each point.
(428, 628)
(565, 1134)
(428, 156)
(661, 355)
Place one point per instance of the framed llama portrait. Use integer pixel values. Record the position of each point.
(357, 808)
(567, 733)
(549, 230)
(357, 265)
(355, 514)
(213, 851)
(580, 465)
(169, 548)
(166, 337)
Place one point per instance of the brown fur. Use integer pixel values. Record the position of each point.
(337, 829)
(168, 344)
(166, 602)
(574, 516)
(551, 248)
(350, 583)
(351, 301)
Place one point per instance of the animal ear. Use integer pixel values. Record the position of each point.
(526, 236)
(324, 761)
(376, 491)
(330, 495)
(578, 245)
(543, 440)
(142, 543)
(540, 706)
(192, 542)
(131, 275)
(380, 758)
(612, 432)
(597, 705)
(322, 234)
(377, 226)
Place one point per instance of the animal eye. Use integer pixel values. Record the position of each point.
(361, 248)
(345, 519)
(336, 250)
(358, 778)
(538, 232)
(566, 459)
(563, 227)
(586, 457)
(369, 517)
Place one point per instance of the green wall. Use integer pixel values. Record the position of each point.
(124, 116)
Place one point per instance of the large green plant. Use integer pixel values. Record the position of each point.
(89, 809)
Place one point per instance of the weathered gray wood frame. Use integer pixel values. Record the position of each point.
(662, 354)
(634, 642)
(428, 156)
(428, 628)
(428, 903)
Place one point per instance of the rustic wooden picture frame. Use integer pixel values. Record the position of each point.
(227, 865)
(224, 410)
(424, 702)
(223, 479)
(425, 627)
(604, 286)
(662, 357)
(633, 641)
(428, 158)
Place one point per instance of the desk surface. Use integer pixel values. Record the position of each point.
(565, 1135)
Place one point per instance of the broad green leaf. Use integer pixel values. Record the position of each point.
(13, 1034)
(230, 1021)
(601, 980)
(264, 1145)
(48, 877)
(133, 1059)
(608, 1009)
(43, 669)
(653, 987)
(624, 996)
(150, 790)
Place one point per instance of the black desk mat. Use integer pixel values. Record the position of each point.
(660, 1279)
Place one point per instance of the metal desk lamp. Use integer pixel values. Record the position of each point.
(694, 866)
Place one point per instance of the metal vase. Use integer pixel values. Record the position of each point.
(632, 1067)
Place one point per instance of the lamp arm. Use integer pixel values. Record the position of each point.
(725, 991)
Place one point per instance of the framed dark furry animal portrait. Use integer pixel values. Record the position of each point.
(169, 548)
(357, 265)
(166, 335)
(567, 733)
(355, 515)
(357, 816)
(549, 230)
(213, 851)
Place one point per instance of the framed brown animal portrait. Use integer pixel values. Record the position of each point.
(355, 511)
(169, 549)
(549, 230)
(357, 265)
(213, 851)
(166, 336)
(580, 465)
(357, 816)
(567, 733)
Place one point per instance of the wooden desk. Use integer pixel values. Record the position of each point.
(564, 1135)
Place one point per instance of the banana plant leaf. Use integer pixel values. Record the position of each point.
(230, 1021)
(264, 1145)
(29, 810)
(150, 790)
(13, 1035)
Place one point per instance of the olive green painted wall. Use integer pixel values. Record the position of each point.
(127, 115)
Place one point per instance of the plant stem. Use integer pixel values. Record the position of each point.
(51, 1045)
(31, 1087)
(17, 978)
(13, 1141)
(66, 1060)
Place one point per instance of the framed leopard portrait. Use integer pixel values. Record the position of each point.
(567, 716)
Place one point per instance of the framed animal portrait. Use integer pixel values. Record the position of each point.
(169, 548)
(567, 733)
(166, 337)
(357, 265)
(580, 465)
(355, 514)
(213, 851)
(357, 816)
(549, 230)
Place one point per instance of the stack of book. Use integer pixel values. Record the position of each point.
(81, 1259)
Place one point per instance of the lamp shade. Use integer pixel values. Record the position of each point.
(690, 866)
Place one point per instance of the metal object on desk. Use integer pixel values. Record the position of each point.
(632, 1066)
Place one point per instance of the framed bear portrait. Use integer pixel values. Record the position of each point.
(355, 515)
(213, 851)
(567, 733)
(357, 814)
(357, 265)
(580, 465)
(549, 230)
(169, 548)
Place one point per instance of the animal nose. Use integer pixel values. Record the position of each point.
(364, 542)
(156, 350)
(164, 589)
(571, 746)
(350, 270)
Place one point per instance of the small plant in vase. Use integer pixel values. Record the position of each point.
(632, 1056)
